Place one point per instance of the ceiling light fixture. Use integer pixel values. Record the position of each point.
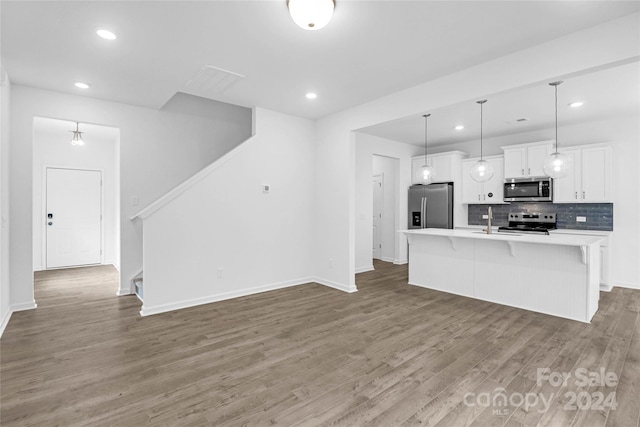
(481, 171)
(81, 85)
(311, 14)
(77, 136)
(106, 34)
(576, 104)
(459, 127)
(557, 165)
(426, 173)
(311, 95)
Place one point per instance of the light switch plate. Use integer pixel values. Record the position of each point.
(581, 219)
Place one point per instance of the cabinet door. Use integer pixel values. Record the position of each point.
(514, 162)
(443, 168)
(535, 159)
(596, 174)
(470, 188)
(493, 190)
(569, 188)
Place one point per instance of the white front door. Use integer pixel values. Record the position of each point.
(377, 216)
(73, 217)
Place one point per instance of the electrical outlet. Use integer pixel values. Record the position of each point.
(581, 219)
(485, 216)
(220, 271)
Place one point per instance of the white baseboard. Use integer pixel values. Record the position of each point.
(24, 306)
(13, 308)
(386, 259)
(605, 288)
(364, 269)
(123, 291)
(148, 311)
(115, 264)
(336, 285)
(627, 285)
(400, 261)
(5, 321)
(38, 268)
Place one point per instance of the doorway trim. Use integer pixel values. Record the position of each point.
(43, 214)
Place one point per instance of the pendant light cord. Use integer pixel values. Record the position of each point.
(426, 128)
(481, 120)
(555, 85)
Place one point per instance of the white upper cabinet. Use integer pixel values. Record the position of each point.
(525, 160)
(490, 192)
(590, 181)
(446, 165)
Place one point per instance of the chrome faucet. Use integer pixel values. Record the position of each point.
(489, 218)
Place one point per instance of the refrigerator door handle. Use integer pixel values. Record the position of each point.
(423, 213)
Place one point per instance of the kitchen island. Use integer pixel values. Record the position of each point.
(551, 274)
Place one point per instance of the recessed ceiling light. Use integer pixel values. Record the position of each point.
(106, 34)
(311, 95)
(81, 85)
(459, 127)
(576, 104)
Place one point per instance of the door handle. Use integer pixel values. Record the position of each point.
(50, 223)
(576, 195)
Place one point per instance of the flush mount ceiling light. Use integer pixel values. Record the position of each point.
(81, 85)
(481, 171)
(459, 127)
(311, 95)
(106, 34)
(311, 14)
(557, 165)
(426, 173)
(77, 136)
(576, 104)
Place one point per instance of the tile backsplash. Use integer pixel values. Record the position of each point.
(599, 215)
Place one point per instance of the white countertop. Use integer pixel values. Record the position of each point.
(551, 239)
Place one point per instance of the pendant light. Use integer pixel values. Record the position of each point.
(426, 173)
(311, 14)
(481, 171)
(77, 136)
(557, 165)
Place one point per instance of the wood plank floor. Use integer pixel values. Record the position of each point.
(390, 354)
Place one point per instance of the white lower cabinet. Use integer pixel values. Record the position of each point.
(490, 192)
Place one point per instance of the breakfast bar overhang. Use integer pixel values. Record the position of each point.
(552, 274)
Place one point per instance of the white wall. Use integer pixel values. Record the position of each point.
(593, 47)
(368, 147)
(5, 308)
(388, 167)
(261, 240)
(158, 149)
(51, 147)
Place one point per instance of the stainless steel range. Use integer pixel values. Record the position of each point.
(529, 222)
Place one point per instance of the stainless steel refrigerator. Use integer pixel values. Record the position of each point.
(431, 206)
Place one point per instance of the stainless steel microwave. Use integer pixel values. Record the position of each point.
(532, 189)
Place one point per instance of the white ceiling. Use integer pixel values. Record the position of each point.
(606, 93)
(369, 49)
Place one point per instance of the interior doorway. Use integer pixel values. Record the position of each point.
(76, 195)
(378, 189)
(385, 207)
(74, 217)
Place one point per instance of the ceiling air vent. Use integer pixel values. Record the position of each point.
(522, 119)
(213, 80)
